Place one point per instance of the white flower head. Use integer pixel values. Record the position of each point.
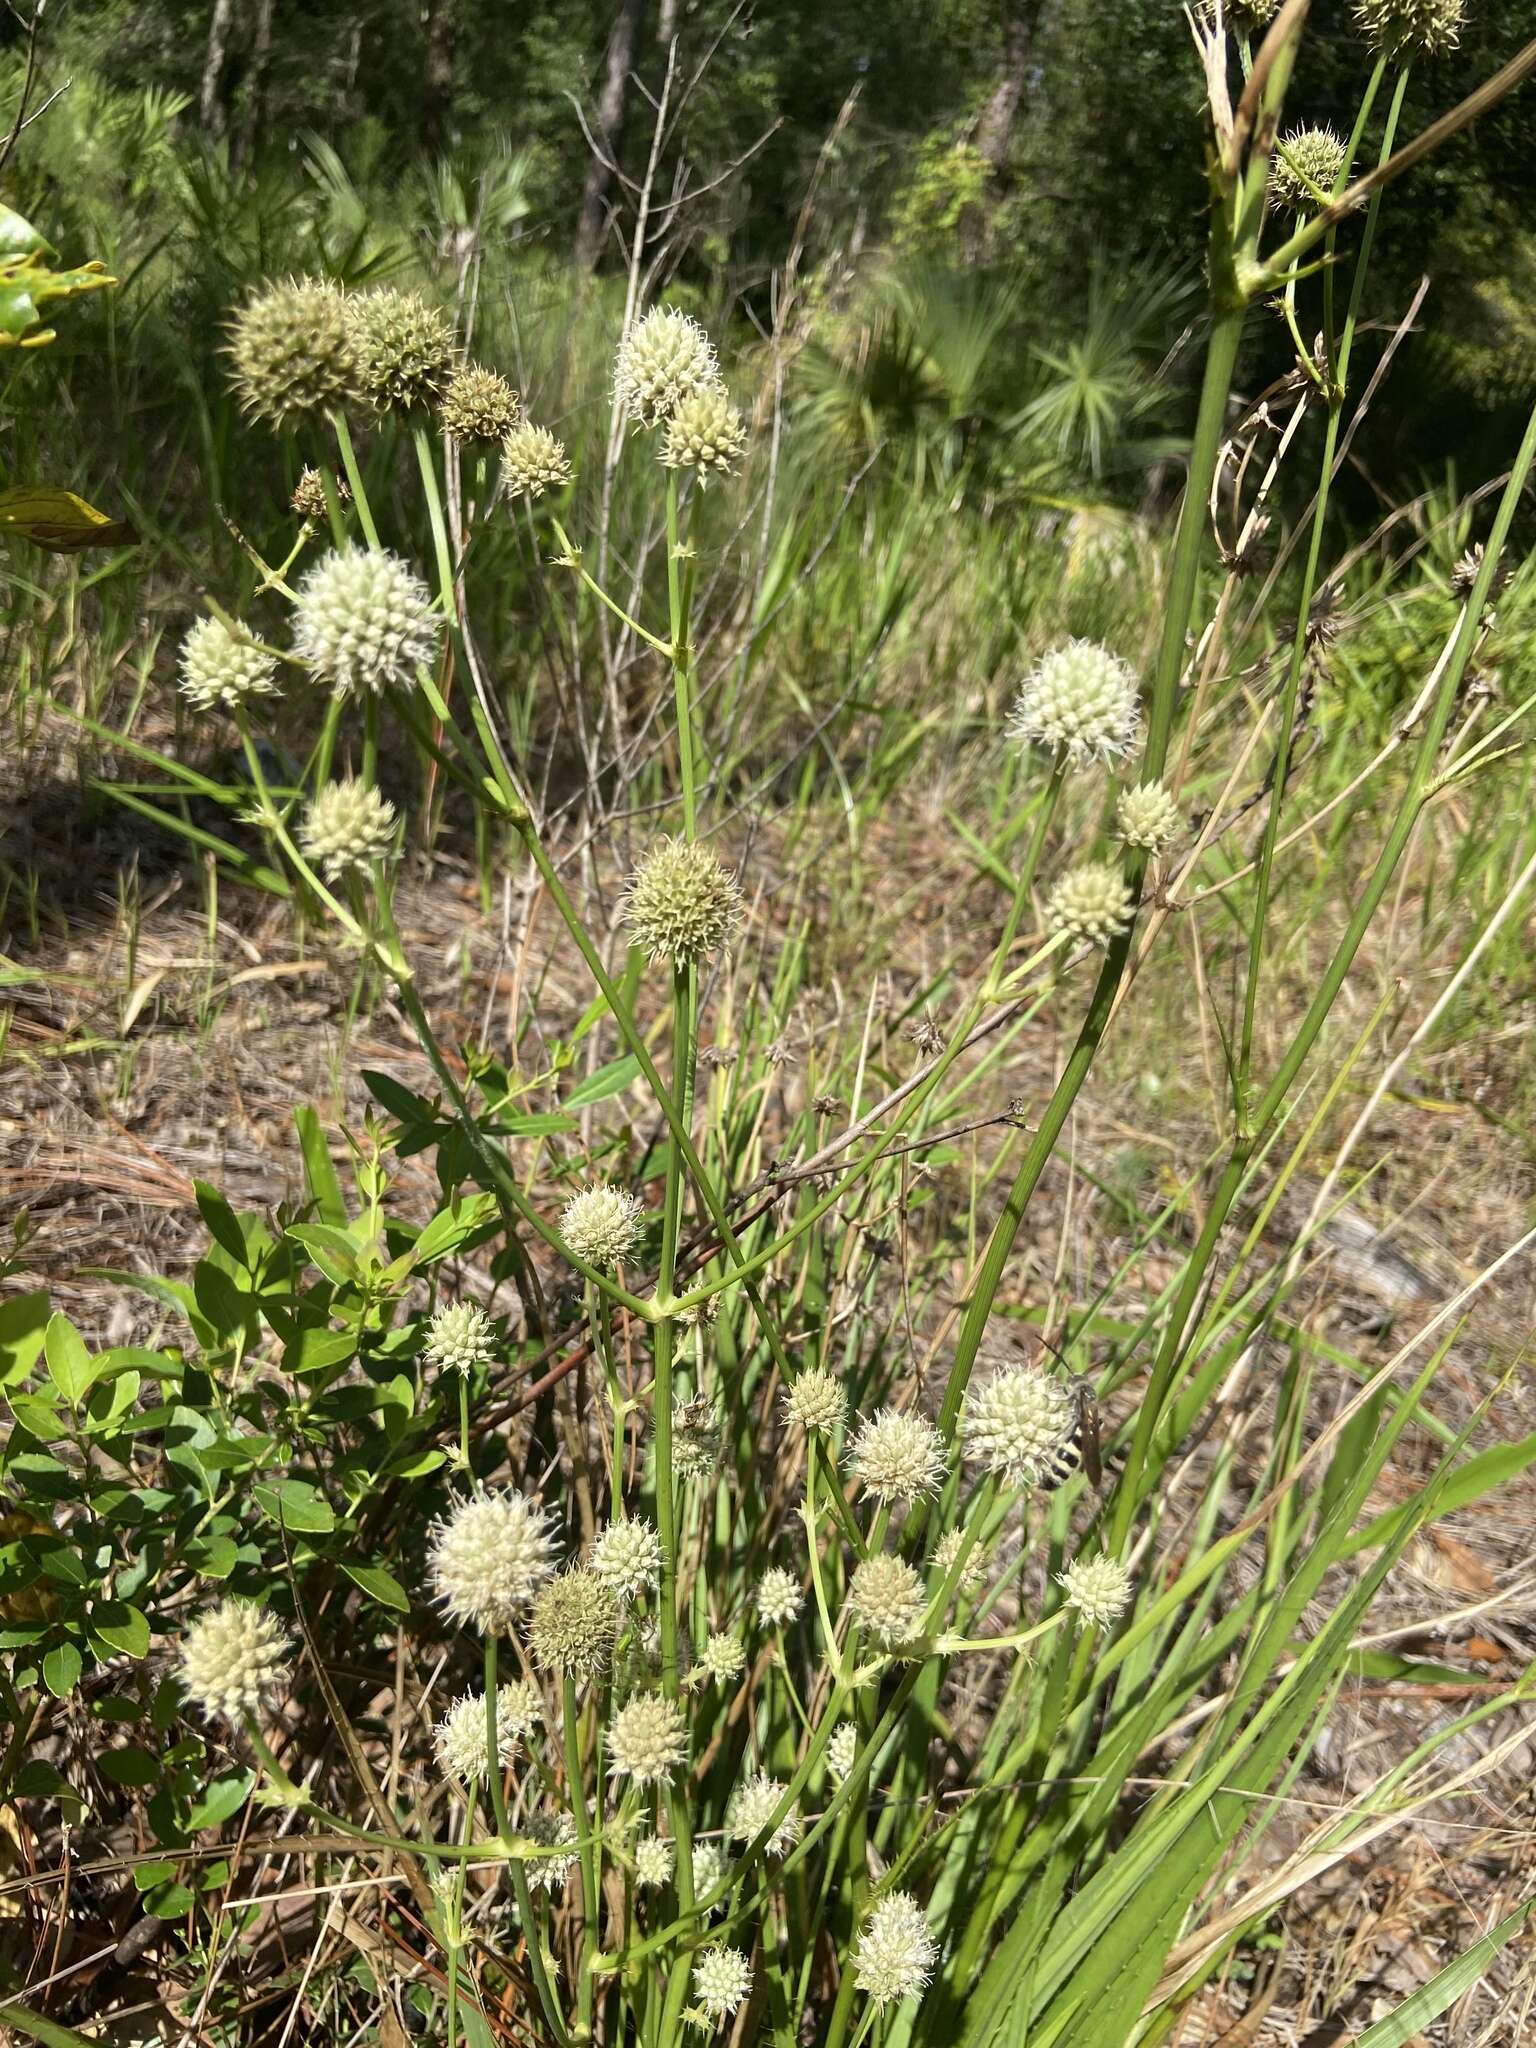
(843, 1750)
(722, 1978)
(815, 1402)
(1098, 1587)
(348, 828)
(217, 667)
(1092, 902)
(722, 1658)
(1081, 701)
(664, 358)
(1014, 1422)
(233, 1659)
(1148, 816)
(753, 1806)
(777, 1598)
(488, 1557)
(654, 1861)
(363, 620)
(550, 1831)
(887, 1597)
(603, 1225)
(894, 1955)
(460, 1737)
(897, 1456)
(627, 1556)
(648, 1739)
(709, 1867)
(460, 1337)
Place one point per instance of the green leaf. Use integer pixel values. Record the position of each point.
(221, 1222)
(69, 1363)
(213, 1557)
(450, 1227)
(55, 519)
(18, 237)
(38, 1416)
(332, 1250)
(394, 1096)
(1398, 2028)
(23, 1319)
(319, 1170)
(61, 1669)
(378, 1584)
(296, 1505)
(48, 2032)
(224, 1798)
(110, 1400)
(607, 1082)
(121, 1626)
(1467, 1484)
(130, 1766)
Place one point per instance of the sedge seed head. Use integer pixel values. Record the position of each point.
(574, 1623)
(406, 351)
(695, 1438)
(291, 351)
(1098, 1587)
(815, 1402)
(665, 358)
(894, 1955)
(219, 668)
(1080, 701)
(722, 1978)
(488, 1557)
(1148, 816)
(364, 619)
(1307, 164)
(777, 1598)
(460, 1337)
(308, 499)
(1090, 903)
(752, 1808)
(648, 1739)
(1014, 1422)
(681, 904)
(887, 1598)
(478, 406)
(897, 1456)
(704, 431)
(603, 1225)
(626, 1556)
(348, 828)
(233, 1659)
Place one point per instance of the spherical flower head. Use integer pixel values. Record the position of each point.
(627, 1557)
(459, 1738)
(348, 828)
(533, 461)
(1081, 701)
(217, 667)
(406, 352)
(233, 1659)
(778, 1598)
(723, 1658)
(574, 1623)
(1399, 27)
(709, 1867)
(664, 358)
(752, 1808)
(1307, 164)
(1248, 15)
(843, 1750)
(894, 1955)
(478, 406)
(364, 620)
(648, 1739)
(1148, 816)
(695, 1438)
(1098, 1587)
(722, 1978)
(460, 1337)
(681, 904)
(550, 1831)
(978, 1559)
(603, 1225)
(887, 1598)
(704, 431)
(488, 1557)
(1091, 902)
(291, 351)
(654, 1860)
(1014, 1422)
(816, 1402)
(896, 1456)
(519, 1708)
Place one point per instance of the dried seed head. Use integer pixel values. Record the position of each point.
(574, 1623)
(364, 619)
(1098, 1587)
(533, 461)
(1148, 816)
(488, 1557)
(778, 1598)
(722, 1658)
(704, 432)
(722, 1977)
(1081, 701)
(1016, 1421)
(681, 904)
(406, 352)
(478, 406)
(648, 1739)
(654, 1859)
(695, 1438)
(626, 1556)
(1400, 27)
(896, 1456)
(219, 668)
(550, 1831)
(894, 1955)
(887, 1598)
(459, 1738)
(1307, 165)
(752, 1808)
(348, 828)
(308, 498)
(291, 351)
(843, 1750)
(603, 1225)
(460, 1337)
(815, 1402)
(233, 1659)
(664, 358)
(1091, 902)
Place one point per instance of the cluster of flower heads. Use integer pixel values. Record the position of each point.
(1398, 27)
(667, 375)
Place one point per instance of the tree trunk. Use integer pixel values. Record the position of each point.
(210, 108)
(256, 78)
(994, 131)
(612, 103)
(438, 85)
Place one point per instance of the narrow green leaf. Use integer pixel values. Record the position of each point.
(320, 1175)
(1398, 2028)
(607, 1082)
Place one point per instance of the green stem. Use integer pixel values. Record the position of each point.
(533, 1939)
(355, 478)
(493, 1772)
(576, 1798)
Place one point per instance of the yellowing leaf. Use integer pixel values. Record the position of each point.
(59, 520)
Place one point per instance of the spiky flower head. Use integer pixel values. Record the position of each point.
(291, 351)
(897, 1456)
(1248, 15)
(363, 620)
(752, 1808)
(843, 1749)
(1098, 1587)
(603, 1225)
(533, 461)
(348, 828)
(695, 1438)
(627, 1556)
(654, 1860)
(778, 1598)
(1307, 163)
(815, 1402)
(217, 667)
(887, 1598)
(406, 352)
(723, 1658)
(459, 1738)
(894, 1955)
(1081, 701)
(1091, 902)
(648, 1739)
(1016, 1420)
(1148, 816)
(309, 500)
(1404, 26)
(550, 1831)
(709, 1867)
(460, 1337)
(573, 1625)
(722, 1978)
(478, 405)
(681, 904)
(664, 358)
(704, 432)
(519, 1707)
(978, 1560)
(233, 1659)
(488, 1557)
